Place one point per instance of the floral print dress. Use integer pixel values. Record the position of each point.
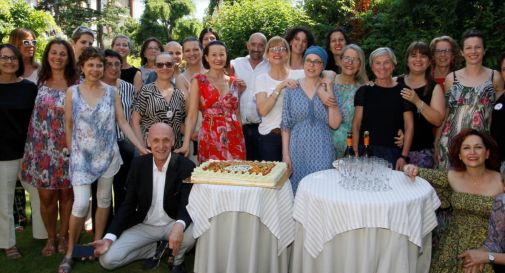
(468, 227)
(44, 164)
(468, 107)
(220, 136)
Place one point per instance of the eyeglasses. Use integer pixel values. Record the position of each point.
(279, 49)
(351, 60)
(27, 43)
(167, 64)
(445, 51)
(112, 65)
(5, 59)
(314, 62)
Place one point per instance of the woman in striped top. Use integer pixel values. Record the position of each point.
(111, 76)
(160, 102)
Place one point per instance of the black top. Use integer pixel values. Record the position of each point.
(382, 112)
(498, 125)
(423, 130)
(16, 105)
(128, 74)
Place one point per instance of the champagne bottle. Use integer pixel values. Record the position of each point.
(366, 141)
(349, 151)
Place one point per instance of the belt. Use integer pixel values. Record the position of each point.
(251, 124)
(276, 131)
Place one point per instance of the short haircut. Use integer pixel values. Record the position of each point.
(382, 51)
(492, 162)
(15, 50)
(206, 53)
(91, 53)
(471, 34)
(143, 59)
(113, 54)
(260, 35)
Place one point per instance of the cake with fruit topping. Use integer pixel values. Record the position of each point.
(266, 174)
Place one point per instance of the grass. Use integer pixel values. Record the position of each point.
(33, 261)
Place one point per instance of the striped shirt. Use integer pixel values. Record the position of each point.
(154, 108)
(127, 94)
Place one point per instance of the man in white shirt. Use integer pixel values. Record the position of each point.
(246, 69)
(154, 208)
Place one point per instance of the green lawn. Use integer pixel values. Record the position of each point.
(34, 262)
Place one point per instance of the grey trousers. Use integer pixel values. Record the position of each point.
(139, 242)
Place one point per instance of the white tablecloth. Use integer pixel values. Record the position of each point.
(325, 209)
(241, 229)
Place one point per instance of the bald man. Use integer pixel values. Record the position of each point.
(247, 69)
(154, 208)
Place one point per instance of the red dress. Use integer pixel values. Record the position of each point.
(220, 136)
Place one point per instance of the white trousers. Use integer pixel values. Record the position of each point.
(38, 228)
(139, 242)
(8, 176)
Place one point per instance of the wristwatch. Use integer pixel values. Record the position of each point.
(491, 257)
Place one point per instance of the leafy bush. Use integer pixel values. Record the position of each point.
(236, 21)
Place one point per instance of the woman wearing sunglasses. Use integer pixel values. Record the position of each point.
(24, 40)
(160, 101)
(17, 97)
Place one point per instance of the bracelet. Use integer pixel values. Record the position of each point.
(421, 108)
(406, 158)
(277, 93)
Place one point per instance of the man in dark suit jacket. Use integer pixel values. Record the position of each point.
(154, 208)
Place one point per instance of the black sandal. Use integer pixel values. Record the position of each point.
(66, 265)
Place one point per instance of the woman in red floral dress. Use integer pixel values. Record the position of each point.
(217, 96)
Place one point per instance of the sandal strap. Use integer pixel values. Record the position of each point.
(13, 253)
(66, 265)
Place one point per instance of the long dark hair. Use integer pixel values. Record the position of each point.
(46, 72)
(331, 65)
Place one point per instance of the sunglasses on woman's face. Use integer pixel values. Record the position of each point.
(167, 64)
(27, 43)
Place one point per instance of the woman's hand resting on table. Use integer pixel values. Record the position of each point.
(411, 171)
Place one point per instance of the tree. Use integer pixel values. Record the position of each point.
(18, 13)
(160, 17)
(235, 22)
(186, 28)
(69, 14)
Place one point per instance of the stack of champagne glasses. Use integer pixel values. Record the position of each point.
(365, 173)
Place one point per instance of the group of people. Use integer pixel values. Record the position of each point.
(85, 117)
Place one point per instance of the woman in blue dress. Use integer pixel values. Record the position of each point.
(309, 112)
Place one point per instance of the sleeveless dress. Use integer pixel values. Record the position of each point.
(310, 144)
(220, 136)
(94, 142)
(468, 107)
(345, 97)
(44, 164)
(468, 227)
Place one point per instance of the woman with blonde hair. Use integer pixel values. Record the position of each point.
(269, 93)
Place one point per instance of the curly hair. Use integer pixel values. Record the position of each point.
(91, 53)
(492, 162)
(70, 72)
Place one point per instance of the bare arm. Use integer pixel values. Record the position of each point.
(191, 117)
(356, 127)
(265, 103)
(434, 112)
(125, 127)
(408, 125)
(135, 122)
(498, 83)
(285, 133)
(182, 84)
(137, 82)
(68, 119)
